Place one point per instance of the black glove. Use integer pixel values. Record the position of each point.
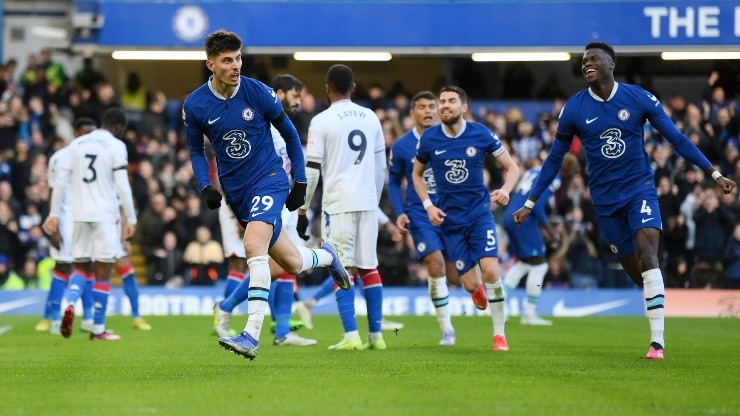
(296, 197)
(212, 197)
(302, 226)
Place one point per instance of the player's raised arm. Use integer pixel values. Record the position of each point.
(684, 147)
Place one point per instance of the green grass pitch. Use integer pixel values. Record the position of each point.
(579, 366)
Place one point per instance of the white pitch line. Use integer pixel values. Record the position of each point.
(4, 329)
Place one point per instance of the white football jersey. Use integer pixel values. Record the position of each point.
(92, 159)
(53, 174)
(345, 139)
(280, 148)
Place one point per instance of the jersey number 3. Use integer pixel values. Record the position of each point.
(93, 174)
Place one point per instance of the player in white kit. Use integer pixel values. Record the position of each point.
(95, 166)
(60, 251)
(346, 147)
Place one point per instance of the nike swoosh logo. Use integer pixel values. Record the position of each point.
(644, 220)
(15, 304)
(439, 152)
(561, 310)
(589, 121)
(489, 248)
(257, 213)
(213, 121)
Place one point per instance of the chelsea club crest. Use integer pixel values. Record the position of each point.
(623, 114)
(471, 151)
(248, 114)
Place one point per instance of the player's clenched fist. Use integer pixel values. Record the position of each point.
(211, 196)
(521, 214)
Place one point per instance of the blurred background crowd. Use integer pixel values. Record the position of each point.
(700, 245)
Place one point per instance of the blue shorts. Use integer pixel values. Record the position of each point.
(620, 224)
(465, 244)
(264, 203)
(427, 238)
(525, 240)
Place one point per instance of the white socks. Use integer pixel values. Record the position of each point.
(496, 303)
(259, 291)
(313, 258)
(654, 292)
(441, 299)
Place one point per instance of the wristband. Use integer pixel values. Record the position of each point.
(716, 175)
(529, 204)
(427, 203)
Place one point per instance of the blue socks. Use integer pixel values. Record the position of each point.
(282, 290)
(131, 288)
(326, 288)
(76, 286)
(237, 296)
(346, 306)
(53, 308)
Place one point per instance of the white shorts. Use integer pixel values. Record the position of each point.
(232, 242)
(355, 236)
(290, 221)
(64, 253)
(96, 240)
(120, 252)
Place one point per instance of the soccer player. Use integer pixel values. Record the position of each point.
(455, 150)
(609, 118)
(346, 147)
(95, 166)
(527, 242)
(304, 307)
(62, 239)
(235, 113)
(411, 217)
(288, 90)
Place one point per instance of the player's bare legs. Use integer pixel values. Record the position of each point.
(487, 271)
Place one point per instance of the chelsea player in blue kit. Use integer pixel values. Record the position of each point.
(526, 240)
(412, 218)
(235, 113)
(609, 118)
(455, 150)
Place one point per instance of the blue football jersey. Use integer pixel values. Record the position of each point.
(521, 192)
(457, 164)
(611, 132)
(401, 163)
(239, 131)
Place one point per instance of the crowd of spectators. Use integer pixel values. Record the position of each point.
(177, 235)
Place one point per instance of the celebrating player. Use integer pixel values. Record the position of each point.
(609, 118)
(235, 113)
(526, 240)
(455, 150)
